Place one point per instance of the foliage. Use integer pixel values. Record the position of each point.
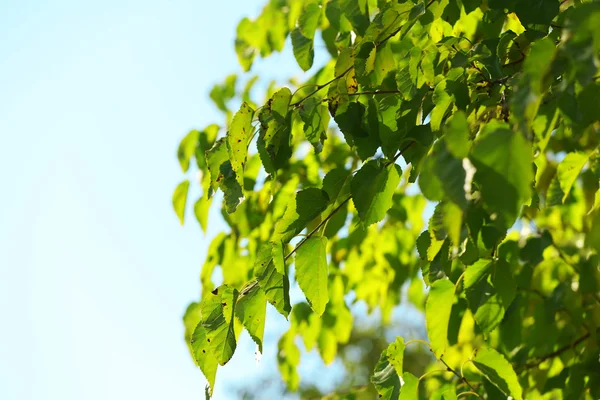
(484, 114)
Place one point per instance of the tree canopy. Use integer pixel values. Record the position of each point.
(484, 114)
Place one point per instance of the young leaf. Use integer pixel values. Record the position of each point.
(180, 199)
(312, 271)
(251, 310)
(201, 208)
(372, 189)
(499, 371)
(457, 135)
(217, 310)
(437, 314)
(215, 157)
(278, 257)
(238, 138)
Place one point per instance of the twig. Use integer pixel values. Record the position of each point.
(556, 352)
(319, 87)
(460, 377)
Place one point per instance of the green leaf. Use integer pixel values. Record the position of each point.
(410, 387)
(238, 138)
(372, 189)
(316, 120)
(457, 135)
(304, 50)
(276, 286)
(204, 357)
(180, 199)
(217, 310)
(568, 171)
(278, 257)
(215, 157)
(251, 310)
(490, 291)
(312, 271)
(437, 314)
(309, 19)
(201, 208)
(503, 160)
(187, 149)
(447, 222)
(476, 272)
(395, 354)
(350, 118)
(385, 379)
(231, 188)
(499, 371)
(280, 103)
(303, 208)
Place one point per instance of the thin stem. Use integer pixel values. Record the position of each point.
(418, 341)
(467, 393)
(460, 377)
(432, 372)
(375, 92)
(460, 278)
(319, 87)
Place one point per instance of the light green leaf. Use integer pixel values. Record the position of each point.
(276, 286)
(437, 314)
(476, 272)
(312, 271)
(280, 103)
(499, 371)
(503, 160)
(395, 354)
(217, 310)
(568, 171)
(238, 138)
(251, 310)
(180, 199)
(372, 189)
(304, 50)
(410, 387)
(232, 190)
(201, 208)
(187, 148)
(303, 208)
(309, 19)
(447, 221)
(278, 257)
(204, 357)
